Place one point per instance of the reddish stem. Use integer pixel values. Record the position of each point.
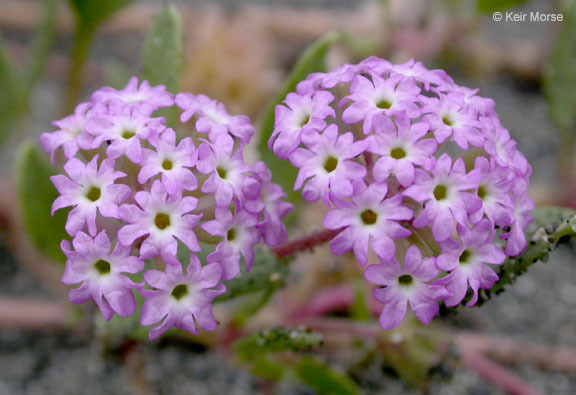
(510, 351)
(31, 314)
(328, 300)
(497, 374)
(306, 243)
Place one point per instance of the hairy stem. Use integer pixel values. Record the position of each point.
(306, 243)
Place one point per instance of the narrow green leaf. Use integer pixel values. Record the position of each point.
(323, 379)
(36, 195)
(490, 6)
(560, 75)
(94, 12)
(163, 50)
(311, 61)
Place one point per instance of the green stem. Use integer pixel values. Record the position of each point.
(83, 37)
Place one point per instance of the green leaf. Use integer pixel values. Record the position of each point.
(94, 12)
(276, 340)
(268, 368)
(490, 6)
(323, 379)
(311, 61)
(560, 75)
(163, 50)
(36, 194)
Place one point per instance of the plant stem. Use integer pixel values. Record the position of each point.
(306, 243)
(83, 37)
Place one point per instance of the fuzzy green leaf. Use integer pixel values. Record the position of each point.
(36, 195)
(312, 60)
(163, 50)
(268, 368)
(541, 241)
(560, 76)
(323, 379)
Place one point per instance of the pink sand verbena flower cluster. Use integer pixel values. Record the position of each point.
(143, 197)
(414, 168)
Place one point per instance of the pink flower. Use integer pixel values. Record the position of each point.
(379, 95)
(410, 284)
(154, 96)
(90, 190)
(521, 218)
(66, 136)
(326, 166)
(447, 196)
(101, 274)
(239, 236)
(448, 116)
(162, 218)
(181, 300)
(370, 219)
(212, 117)
(401, 147)
(174, 163)
(124, 127)
(225, 169)
(299, 114)
(466, 261)
(494, 186)
(266, 199)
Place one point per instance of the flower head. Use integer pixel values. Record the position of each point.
(158, 198)
(408, 160)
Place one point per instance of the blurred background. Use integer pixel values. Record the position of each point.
(240, 52)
